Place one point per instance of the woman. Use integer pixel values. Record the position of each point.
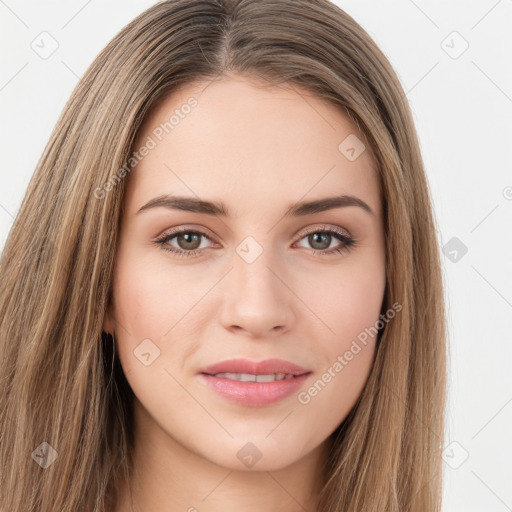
(223, 287)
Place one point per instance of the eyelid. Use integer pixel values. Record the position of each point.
(186, 227)
(206, 232)
(324, 227)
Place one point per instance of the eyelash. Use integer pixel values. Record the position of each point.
(348, 242)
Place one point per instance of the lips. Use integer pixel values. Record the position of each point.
(249, 377)
(266, 367)
(254, 384)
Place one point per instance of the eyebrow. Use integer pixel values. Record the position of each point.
(219, 209)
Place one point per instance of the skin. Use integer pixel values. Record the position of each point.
(257, 150)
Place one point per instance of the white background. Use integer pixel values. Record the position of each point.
(462, 108)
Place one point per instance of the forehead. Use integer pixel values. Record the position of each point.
(241, 139)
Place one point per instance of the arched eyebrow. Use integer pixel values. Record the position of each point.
(219, 209)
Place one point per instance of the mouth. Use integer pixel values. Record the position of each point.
(254, 384)
(249, 377)
(268, 367)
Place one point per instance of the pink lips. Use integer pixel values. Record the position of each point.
(254, 394)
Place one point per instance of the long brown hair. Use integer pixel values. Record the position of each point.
(63, 393)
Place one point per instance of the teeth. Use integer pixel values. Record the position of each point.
(249, 377)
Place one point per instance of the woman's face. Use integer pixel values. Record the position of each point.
(232, 264)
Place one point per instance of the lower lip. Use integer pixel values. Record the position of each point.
(254, 394)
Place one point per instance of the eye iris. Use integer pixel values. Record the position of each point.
(190, 241)
(313, 239)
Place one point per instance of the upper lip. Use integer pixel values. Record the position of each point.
(266, 367)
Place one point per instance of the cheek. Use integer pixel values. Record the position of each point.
(151, 296)
(349, 309)
(347, 357)
(354, 306)
(137, 300)
(155, 302)
(346, 301)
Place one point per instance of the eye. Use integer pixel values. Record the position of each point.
(185, 242)
(321, 239)
(188, 242)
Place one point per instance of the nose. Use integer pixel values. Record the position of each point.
(257, 300)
